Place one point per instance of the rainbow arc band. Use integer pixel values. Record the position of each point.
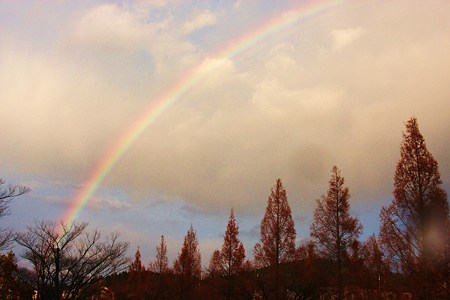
(174, 92)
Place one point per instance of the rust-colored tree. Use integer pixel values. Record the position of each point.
(12, 285)
(277, 244)
(188, 265)
(214, 284)
(215, 265)
(161, 263)
(136, 266)
(376, 266)
(161, 267)
(232, 254)
(415, 226)
(136, 280)
(333, 228)
(305, 273)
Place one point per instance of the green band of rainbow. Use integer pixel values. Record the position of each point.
(174, 92)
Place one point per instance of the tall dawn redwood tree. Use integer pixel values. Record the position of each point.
(161, 263)
(415, 226)
(136, 265)
(232, 254)
(188, 265)
(333, 228)
(277, 234)
(215, 264)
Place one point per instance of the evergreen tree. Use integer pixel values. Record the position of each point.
(232, 254)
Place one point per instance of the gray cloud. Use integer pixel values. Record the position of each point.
(278, 110)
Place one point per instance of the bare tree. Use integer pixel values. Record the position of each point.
(68, 260)
(7, 194)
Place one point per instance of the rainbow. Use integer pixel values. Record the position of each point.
(179, 88)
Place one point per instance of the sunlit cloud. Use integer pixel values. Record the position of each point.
(108, 26)
(344, 37)
(332, 89)
(200, 20)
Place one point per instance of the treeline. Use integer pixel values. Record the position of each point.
(409, 259)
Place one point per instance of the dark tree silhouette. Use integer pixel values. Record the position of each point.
(376, 265)
(136, 265)
(188, 265)
(277, 235)
(12, 285)
(415, 226)
(136, 278)
(333, 228)
(67, 260)
(7, 194)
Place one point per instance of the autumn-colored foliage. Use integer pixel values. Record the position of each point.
(188, 265)
(333, 228)
(277, 235)
(228, 262)
(233, 252)
(161, 263)
(12, 283)
(136, 266)
(215, 264)
(137, 276)
(415, 226)
(408, 260)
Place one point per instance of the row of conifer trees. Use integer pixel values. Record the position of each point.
(410, 256)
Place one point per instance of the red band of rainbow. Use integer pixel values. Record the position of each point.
(175, 91)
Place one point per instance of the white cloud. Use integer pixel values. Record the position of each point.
(202, 19)
(344, 37)
(108, 26)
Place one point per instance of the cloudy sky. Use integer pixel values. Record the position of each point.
(333, 88)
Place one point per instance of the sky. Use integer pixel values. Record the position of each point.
(244, 102)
